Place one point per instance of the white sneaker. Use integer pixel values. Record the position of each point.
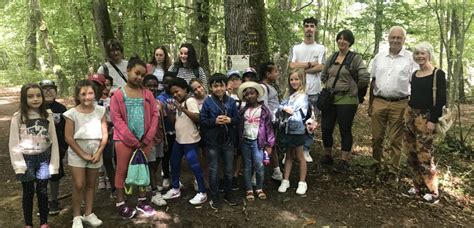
(77, 222)
(302, 187)
(277, 175)
(307, 157)
(101, 184)
(181, 185)
(283, 160)
(158, 199)
(159, 188)
(166, 183)
(172, 193)
(92, 220)
(285, 184)
(195, 184)
(198, 198)
(107, 183)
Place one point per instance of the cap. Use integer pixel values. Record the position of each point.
(249, 70)
(250, 84)
(47, 83)
(99, 78)
(231, 73)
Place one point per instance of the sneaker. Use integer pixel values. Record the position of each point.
(107, 183)
(327, 160)
(283, 160)
(342, 167)
(158, 199)
(92, 220)
(277, 175)
(413, 191)
(229, 199)
(127, 212)
(198, 198)
(235, 183)
(172, 193)
(307, 157)
(145, 208)
(159, 188)
(195, 185)
(77, 222)
(54, 208)
(215, 204)
(101, 184)
(166, 183)
(302, 187)
(44, 226)
(431, 198)
(285, 184)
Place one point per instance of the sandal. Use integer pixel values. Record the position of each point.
(250, 196)
(261, 194)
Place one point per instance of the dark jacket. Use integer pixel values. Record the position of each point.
(266, 137)
(213, 134)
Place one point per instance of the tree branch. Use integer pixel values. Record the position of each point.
(302, 7)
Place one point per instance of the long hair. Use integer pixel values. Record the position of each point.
(24, 108)
(302, 77)
(166, 62)
(77, 89)
(192, 57)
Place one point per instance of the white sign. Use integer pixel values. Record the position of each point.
(237, 62)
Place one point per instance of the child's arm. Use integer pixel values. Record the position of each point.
(234, 114)
(191, 110)
(16, 153)
(269, 133)
(103, 141)
(206, 119)
(69, 136)
(54, 160)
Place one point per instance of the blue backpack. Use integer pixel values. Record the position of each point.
(138, 173)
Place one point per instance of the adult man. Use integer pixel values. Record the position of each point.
(309, 56)
(116, 66)
(390, 87)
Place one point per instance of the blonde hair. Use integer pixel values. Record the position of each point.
(424, 47)
(302, 89)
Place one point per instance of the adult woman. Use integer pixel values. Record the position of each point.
(351, 73)
(420, 118)
(159, 63)
(187, 66)
(116, 66)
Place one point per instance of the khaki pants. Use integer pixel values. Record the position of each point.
(419, 146)
(387, 121)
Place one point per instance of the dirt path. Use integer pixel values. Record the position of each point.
(353, 199)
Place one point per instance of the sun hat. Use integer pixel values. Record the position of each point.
(247, 85)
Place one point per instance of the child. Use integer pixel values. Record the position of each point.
(268, 76)
(249, 75)
(135, 117)
(257, 136)
(86, 133)
(186, 116)
(219, 118)
(295, 106)
(150, 82)
(50, 90)
(199, 91)
(165, 97)
(233, 85)
(34, 151)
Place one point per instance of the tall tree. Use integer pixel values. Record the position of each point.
(102, 24)
(201, 26)
(245, 29)
(31, 26)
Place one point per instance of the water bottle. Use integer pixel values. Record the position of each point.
(266, 158)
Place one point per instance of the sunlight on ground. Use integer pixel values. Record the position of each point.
(160, 219)
(287, 216)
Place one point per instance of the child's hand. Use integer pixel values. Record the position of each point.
(288, 110)
(95, 158)
(269, 150)
(85, 156)
(221, 119)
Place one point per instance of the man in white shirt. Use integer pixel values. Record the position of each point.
(115, 57)
(309, 55)
(390, 88)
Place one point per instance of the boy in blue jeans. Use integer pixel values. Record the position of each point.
(219, 120)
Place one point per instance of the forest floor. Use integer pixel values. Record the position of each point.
(352, 199)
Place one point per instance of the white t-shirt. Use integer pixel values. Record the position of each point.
(86, 125)
(118, 80)
(252, 122)
(186, 130)
(303, 53)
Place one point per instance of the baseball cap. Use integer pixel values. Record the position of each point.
(231, 73)
(249, 70)
(47, 83)
(99, 78)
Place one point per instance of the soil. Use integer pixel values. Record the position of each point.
(352, 199)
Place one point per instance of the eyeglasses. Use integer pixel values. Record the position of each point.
(49, 90)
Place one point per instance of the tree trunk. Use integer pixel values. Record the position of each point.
(245, 29)
(30, 41)
(201, 27)
(378, 25)
(102, 24)
(87, 52)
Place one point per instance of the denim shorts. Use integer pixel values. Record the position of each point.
(37, 167)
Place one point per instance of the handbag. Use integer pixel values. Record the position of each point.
(138, 173)
(445, 121)
(326, 96)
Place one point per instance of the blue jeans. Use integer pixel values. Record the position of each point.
(224, 153)
(252, 155)
(308, 142)
(190, 151)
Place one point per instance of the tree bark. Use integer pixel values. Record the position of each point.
(102, 24)
(378, 25)
(30, 41)
(201, 27)
(85, 43)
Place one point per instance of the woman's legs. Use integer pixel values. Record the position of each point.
(78, 179)
(90, 178)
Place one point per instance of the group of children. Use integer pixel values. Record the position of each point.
(237, 121)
